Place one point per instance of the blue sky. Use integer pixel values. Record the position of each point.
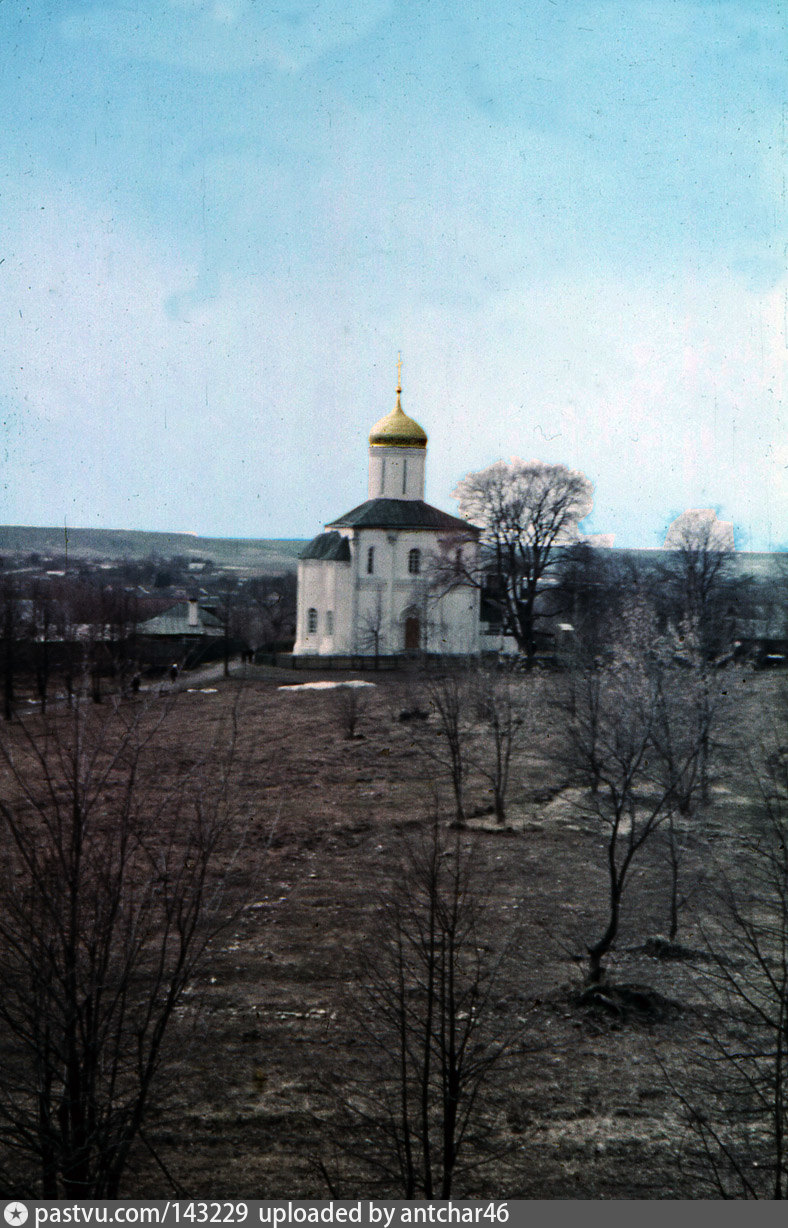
(220, 221)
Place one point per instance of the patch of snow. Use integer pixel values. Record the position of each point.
(324, 686)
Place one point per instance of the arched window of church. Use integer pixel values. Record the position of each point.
(329, 622)
(311, 619)
(414, 562)
(371, 561)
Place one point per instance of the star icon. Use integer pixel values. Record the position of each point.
(15, 1213)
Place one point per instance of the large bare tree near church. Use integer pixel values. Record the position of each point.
(525, 510)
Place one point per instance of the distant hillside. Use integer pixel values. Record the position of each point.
(263, 554)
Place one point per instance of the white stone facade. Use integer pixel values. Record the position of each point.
(396, 473)
(346, 609)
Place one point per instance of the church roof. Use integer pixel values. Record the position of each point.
(332, 546)
(397, 430)
(400, 514)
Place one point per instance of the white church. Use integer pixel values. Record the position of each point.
(366, 586)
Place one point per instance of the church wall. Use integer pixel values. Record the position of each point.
(324, 586)
(343, 608)
(369, 611)
(396, 473)
(391, 594)
(453, 623)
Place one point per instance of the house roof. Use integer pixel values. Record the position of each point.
(331, 546)
(401, 514)
(175, 621)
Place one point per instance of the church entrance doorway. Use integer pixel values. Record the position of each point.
(412, 634)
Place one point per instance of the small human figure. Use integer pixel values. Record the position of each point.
(173, 671)
(136, 683)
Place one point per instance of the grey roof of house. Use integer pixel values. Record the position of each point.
(401, 514)
(332, 546)
(175, 621)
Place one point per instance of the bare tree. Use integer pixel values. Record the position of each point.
(67, 632)
(501, 704)
(96, 604)
(113, 889)
(525, 511)
(734, 1085)
(592, 584)
(109, 616)
(687, 709)
(480, 719)
(372, 628)
(10, 620)
(610, 738)
(225, 611)
(122, 618)
(615, 710)
(42, 622)
(426, 1011)
(449, 698)
(698, 572)
(350, 703)
(264, 614)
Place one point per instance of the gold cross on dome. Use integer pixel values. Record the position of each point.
(399, 372)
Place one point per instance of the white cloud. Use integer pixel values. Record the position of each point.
(202, 418)
(666, 395)
(246, 410)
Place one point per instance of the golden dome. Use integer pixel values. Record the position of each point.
(397, 430)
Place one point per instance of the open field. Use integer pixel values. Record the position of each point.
(583, 1108)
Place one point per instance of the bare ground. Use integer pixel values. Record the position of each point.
(586, 1111)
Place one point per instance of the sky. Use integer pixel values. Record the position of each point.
(222, 220)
